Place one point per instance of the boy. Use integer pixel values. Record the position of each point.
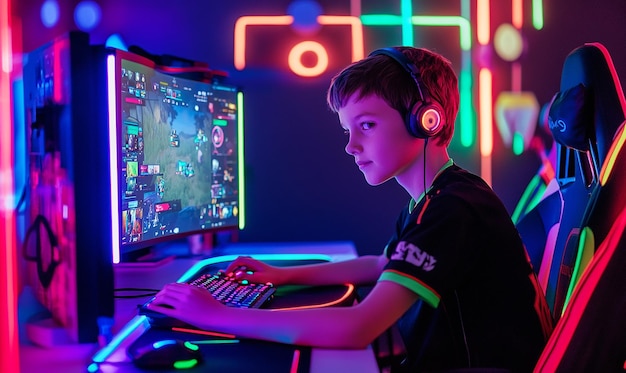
(454, 277)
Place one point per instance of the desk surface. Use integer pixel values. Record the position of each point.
(113, 357)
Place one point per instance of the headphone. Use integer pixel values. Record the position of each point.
(425, 119)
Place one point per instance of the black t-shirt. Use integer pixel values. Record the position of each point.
(480, 305)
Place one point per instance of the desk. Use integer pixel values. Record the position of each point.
(113, 358)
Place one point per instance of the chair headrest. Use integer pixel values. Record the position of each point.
(571, 117)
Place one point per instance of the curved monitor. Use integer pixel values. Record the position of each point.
(176, 154)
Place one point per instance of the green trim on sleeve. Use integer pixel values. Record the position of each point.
(424, 292)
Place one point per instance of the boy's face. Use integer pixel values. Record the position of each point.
(378, 139)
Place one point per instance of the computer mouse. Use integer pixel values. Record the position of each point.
(166, 354)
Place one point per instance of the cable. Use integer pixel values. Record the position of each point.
(148, 293)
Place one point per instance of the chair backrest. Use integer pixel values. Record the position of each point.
(584, 117)
(582, 152)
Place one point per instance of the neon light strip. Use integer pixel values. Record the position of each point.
(616, 148)
(346, 295)
(9, 342)
(517, 15)
(538, 14)
(203, 332)
(240, 33)
(113, 161)
(295, 362)
(523, 201)
(564, 331)
(129, 328)
(356, 29)
(485, 95)
(465, 32)
(467, 129)
(229, 258)
(483, 19)
(406, 11)
(240, 156)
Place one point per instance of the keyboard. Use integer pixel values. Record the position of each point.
(231, 292)
(234, 293)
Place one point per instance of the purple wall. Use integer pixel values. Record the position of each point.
(301, 186)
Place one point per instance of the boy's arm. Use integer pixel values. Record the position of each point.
(363, 270)
(331, 327)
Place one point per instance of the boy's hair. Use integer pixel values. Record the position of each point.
(384, 77)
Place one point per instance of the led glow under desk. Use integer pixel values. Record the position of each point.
(233, 355)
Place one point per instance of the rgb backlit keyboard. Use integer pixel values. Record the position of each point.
(235, 293)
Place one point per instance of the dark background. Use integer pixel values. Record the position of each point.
(301, 186)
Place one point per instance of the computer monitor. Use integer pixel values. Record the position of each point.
(176, 154)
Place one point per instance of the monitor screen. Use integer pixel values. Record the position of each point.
(175, 150)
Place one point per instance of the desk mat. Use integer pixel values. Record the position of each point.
(235, 355)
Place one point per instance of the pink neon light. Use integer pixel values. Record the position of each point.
(483, 19)
(564, 331)
(517, 15)
(295, 362)
(9, 342)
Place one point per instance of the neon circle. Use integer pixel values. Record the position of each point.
(295, 59)
(508, 42)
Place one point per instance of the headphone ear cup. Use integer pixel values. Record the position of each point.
(425, 120)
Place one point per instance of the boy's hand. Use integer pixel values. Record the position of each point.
(247, 268)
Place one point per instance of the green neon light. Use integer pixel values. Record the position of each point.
(381, 20)
(467, 127)
(465, 30)
(406, 10)
(185, 364)
(463, 24)
(220, 122)
(538, 14)
(523, 201)
(241, 163)
(518, 143)
(106, 351)
(216, 341)
(466, 111)
(586, 246)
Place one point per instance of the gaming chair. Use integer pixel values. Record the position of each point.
(584, 117)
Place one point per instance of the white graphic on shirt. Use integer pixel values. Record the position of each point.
(412, 254)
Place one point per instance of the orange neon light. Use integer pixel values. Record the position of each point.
(295, 64)
(356, 28)
(517, 16)
(295, 59)
(240, 33)
(348, 293)
(483, 19)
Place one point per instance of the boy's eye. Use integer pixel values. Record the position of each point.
(367, 125)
